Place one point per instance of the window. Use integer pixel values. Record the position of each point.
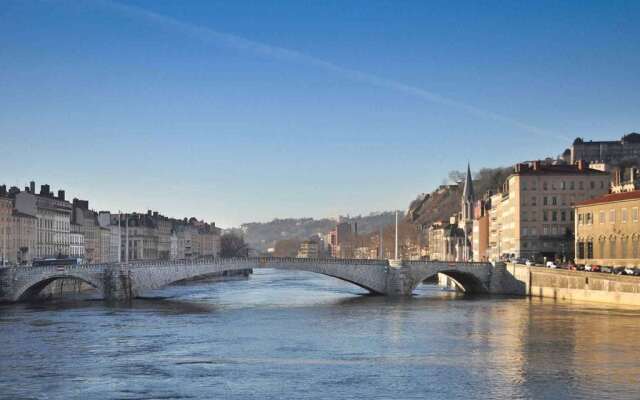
(544, 201)
(623, 243)
(634, 214)
(581, 185)
(580, 219)
(612, 248)
(592, 185)
(624, 215)
(534, 215)
(563, 185)
(524, 215)
(581, 250)
(544, 185)
(545, 216)
(602, 217)
(612, 216)
(554, 216)
(533, 201)
(563, 216)
(554, 201)
(524, 231)
(572, 185)
(590, 249)
(524, 185)
(634, 247)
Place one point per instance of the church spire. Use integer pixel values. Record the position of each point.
(467, 192)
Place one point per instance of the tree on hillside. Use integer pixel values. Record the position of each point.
(233, 245)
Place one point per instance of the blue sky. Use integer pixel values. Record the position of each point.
(238, 111)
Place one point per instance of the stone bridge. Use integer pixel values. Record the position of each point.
(128, 280)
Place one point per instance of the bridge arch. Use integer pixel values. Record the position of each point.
(31, 289)
(465, 281)
(368, 276)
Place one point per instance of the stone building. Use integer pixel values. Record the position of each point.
(446, 241)
(76, 242)
(142, 238)
(608, 230)
(111, 223)
(87, 223)
(627, 148)
(481, 230)
(533, 216)
(53, 214)
(17, 233)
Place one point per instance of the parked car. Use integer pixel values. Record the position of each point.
(551, 264)
(629, 271)
(596, 268)
(619, 271)
(606, 270)
(580, 267)
(529, 263)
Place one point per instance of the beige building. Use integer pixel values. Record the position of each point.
(308, 249)
(608, 230)
(481, 231)
(53, 225)
(533, 216)
(17, 234)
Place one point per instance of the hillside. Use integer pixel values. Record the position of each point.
(445, 201)
(262, 235)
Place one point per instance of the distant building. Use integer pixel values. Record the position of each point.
(76, 242)
(481, 230)
(17, 233)
(608, 230)
(606, 151)
(308, 249)
(53, 215)
(446, 240)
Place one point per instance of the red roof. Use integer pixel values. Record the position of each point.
(608, 198)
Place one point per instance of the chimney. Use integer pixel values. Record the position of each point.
(60, 194)
(44, 190)
(155, 214)
(32, 187)
(3, 190)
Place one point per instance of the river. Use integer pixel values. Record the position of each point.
(296, 335)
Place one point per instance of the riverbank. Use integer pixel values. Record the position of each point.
(571, 285)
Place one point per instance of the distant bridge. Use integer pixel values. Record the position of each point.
(121, 281)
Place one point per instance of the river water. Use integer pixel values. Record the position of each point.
(288, 335)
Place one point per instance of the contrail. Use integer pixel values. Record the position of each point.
(238, 43)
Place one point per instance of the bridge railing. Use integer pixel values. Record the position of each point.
(257, 261)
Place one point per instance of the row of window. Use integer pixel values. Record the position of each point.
(549, 215)
(563, 185)
(610, 248)
(588, 217)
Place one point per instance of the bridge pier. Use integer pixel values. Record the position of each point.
(399, 279)
(118, 285)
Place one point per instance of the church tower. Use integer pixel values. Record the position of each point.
(466, 220)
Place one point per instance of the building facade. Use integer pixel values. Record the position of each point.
(627, 148)
(53, 214)
(533, 216)
(608, 230)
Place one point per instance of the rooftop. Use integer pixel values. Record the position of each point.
(609, 198)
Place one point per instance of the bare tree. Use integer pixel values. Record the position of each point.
(233, 245)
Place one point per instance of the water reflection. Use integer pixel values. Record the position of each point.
(299, 335)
